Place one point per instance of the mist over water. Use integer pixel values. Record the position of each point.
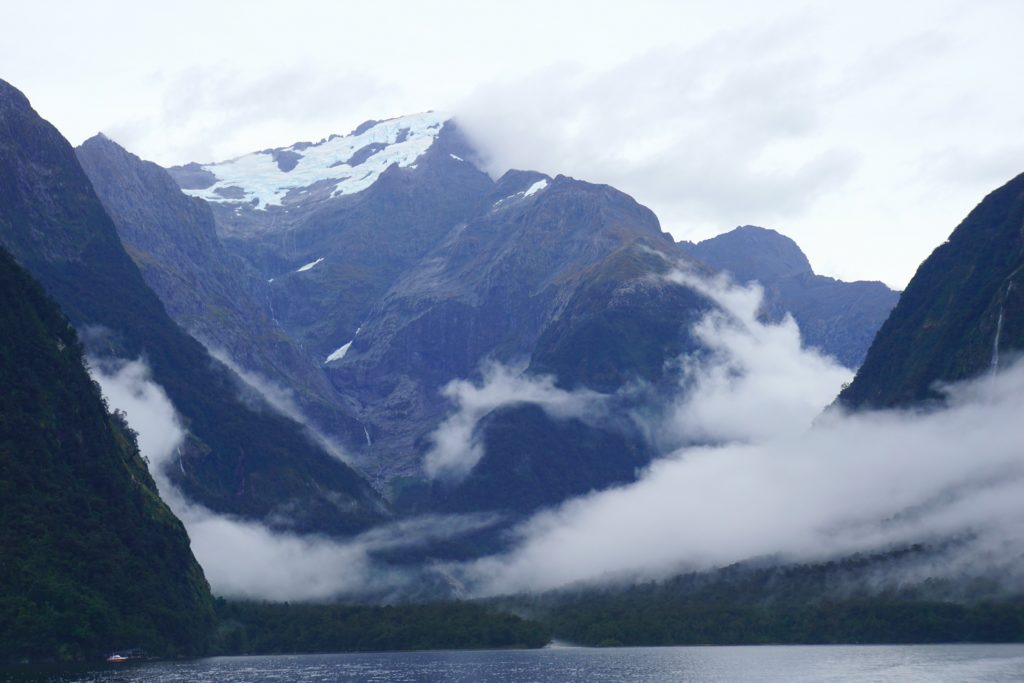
(773, 479)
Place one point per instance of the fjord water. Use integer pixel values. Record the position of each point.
(570, 665)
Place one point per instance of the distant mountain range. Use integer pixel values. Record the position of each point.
(337, 287)
(385, 264)
(836, 317)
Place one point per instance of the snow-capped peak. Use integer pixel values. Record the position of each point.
(352, 162)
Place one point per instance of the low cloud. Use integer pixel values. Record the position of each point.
(773, 479)
(850, 483)
(243, 558)
(127, 386)
(456, 445)
(755, 381)
(282, 400)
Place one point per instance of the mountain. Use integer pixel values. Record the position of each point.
(961, 315)
(241, 457)
(401, 266)
(395, 263)
(92, 559)
(214, 294)
(623, 323)
(839, 318)
(333, 224)
(488, 293)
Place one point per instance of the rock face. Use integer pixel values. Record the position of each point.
(961, 315)
(336, 231)
(214, 294)
(241, 457)
(839, 318)
(432, 270)
(489, 292)
(92, 557)
(398, 266)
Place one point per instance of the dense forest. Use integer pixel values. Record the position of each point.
(90, 557)
(963, 309)
(843, 601)
(268, 628)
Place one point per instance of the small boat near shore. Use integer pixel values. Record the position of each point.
(126, 655)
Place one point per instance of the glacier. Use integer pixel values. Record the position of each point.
(354, 162)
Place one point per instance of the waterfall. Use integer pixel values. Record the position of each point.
(999, 330)
(995, 342)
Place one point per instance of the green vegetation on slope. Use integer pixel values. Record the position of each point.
(867, 620)
(240, 459)
(90, 557)
(945, 326)
(843, 601)
(268, 628)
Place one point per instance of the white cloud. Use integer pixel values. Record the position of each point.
(127, 386)
(756, 382)
(775, 487)
(282, 400)
(243, 558)
(851, 483)
(456, 447)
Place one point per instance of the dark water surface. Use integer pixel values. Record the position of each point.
(571, 665)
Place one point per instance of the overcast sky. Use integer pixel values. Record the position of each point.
(866, 131)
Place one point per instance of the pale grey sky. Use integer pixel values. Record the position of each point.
(865, 131)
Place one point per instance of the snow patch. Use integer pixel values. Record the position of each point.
(256, 179)
(310, 265)
(456, 157)
(339, 354)
(536, 187)
(523, 194)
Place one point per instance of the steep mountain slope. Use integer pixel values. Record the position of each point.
(404, 266)
(840, 318)
(91, 557)
(401, 266)
(623, 323)
(240, 458)
(335, 225)
(961, 315)
(489, 292)
(533, 460)
(214, 294)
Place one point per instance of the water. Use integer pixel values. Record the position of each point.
(571, 665)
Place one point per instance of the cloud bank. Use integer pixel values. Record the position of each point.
(765, 477)
(852, 483)
(756, 382)
(245, 559)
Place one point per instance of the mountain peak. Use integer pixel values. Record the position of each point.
(750, 252)
(102, 141)
(347, 163)
(11, 96)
